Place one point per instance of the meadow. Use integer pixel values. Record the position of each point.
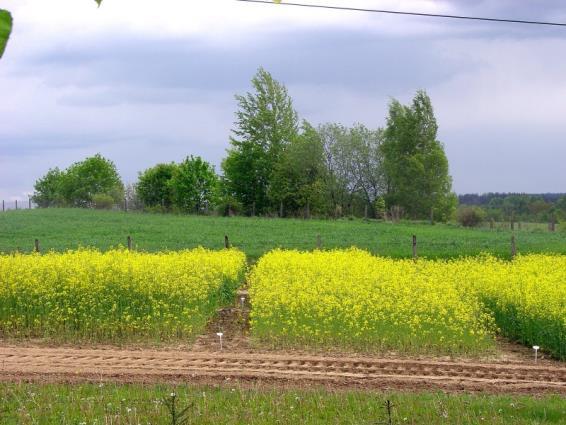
(103, 403)
(62, 229)
(118, 295)
(349, 298)
(166, 288)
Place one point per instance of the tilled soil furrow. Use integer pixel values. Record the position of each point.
(267, 369)
(551, 374)
(157, 366)
(234, 366)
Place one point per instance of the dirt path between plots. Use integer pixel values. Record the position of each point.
(77, 365)
(513, 371)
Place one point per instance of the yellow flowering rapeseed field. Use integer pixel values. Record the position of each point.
(118, 294)
(526, 297)
(350, 298)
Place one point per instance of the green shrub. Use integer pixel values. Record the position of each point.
(102, 201)
(470, 216)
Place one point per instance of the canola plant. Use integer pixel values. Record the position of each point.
(348, 298)
(115, 295)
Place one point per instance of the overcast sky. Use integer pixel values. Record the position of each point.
(143, 82)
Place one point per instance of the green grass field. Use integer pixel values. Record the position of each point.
(136, 404)
(62, 229)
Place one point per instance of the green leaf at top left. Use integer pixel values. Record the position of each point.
(5, 29)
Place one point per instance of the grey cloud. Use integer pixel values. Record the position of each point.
(180, 72)
(140, 100)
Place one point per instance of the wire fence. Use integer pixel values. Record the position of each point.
(409, 247)
(18, 205)
(502, 239)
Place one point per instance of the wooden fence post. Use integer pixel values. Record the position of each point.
(3, 206)
(318, 242)
(125, 204)
(513, 247)
(414, 247)
(491, 223)
(29, 203)
(37, 245)
(16, 204)
(129, 243)
(253, 209)
(281, 209)
(366, 213)
(226, 242)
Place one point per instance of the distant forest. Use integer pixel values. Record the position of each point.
(518, 206)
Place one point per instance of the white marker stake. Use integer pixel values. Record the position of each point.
(536, 348)
(220, 334)
(242, 301)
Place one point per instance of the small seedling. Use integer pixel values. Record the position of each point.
(220, 335)
(389, 412)
(536, 348)
(177, 418)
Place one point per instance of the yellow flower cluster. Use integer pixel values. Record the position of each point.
(118, 294)
(527, 297)
(350, 298)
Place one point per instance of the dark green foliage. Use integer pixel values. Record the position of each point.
(102, 201)
(95, 175)
(265, 124)
(561, 207)
(298, 175)
(5, 29)
(227, 205)
(470, 216)
(78, 184)
(529, 330)
(194, 185)
(519, 206)
(48, 189)
(415, 164)
(154, 186)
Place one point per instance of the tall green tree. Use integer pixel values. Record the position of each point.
(297, 184)
(339, 184)
(266, 123)
(154, 187)
(47, 189)
(353, 161)
(194, 184)
(415, 165)
(367, 162)
(95, 175)
(79, 184)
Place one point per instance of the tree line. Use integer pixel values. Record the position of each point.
(280, 165)
(542, 207)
